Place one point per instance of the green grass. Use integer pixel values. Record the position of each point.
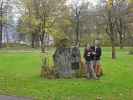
(19, 75)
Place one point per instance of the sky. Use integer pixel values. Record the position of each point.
(17, 15)
(92, 1)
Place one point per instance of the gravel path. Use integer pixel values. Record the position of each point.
(3, 97)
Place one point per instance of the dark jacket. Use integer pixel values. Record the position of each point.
(75, 55)
(88, 54)
(98, 52)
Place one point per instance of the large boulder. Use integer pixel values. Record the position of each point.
(62, 62)
(66, 59)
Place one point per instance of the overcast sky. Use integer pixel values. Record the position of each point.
(92, 1)
(17, 14)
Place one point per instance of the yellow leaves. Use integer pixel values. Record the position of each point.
(67, 22)
(110, 3)
(31, 21)
(130, 12)
(29, 24)
(27, 3)
(3, 19)
(130, 1)
(41, 15)
(56, 33)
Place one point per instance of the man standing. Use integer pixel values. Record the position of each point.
(98, 54)
(75, 60)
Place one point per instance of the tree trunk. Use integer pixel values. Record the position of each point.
(77, 26)
(0, 38)
(1, 23)
(42, 42)
(33, 40)
(42, 46)
(1, 31)
(37, 44)
(121, 43)
(113, 50)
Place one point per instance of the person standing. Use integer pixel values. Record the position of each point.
(98, 54)
(89, 58)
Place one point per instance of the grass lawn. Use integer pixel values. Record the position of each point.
(19, 75)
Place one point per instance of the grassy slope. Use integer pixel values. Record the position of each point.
(19, 75)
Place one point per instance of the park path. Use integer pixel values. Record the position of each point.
(3, 97)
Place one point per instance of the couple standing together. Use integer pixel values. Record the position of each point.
(92, 56)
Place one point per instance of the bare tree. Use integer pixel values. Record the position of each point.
(3, 11)
(122, 20)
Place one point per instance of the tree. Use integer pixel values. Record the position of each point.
(116, 25)
(130, 23)
(81, 19)
(110, 29)
(122, 20)
(4, 4)
(113, 21)
(44, 13)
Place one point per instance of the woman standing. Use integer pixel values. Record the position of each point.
(89, 53)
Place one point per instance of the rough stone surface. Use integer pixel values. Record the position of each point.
(63, 59)
(62, 62)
